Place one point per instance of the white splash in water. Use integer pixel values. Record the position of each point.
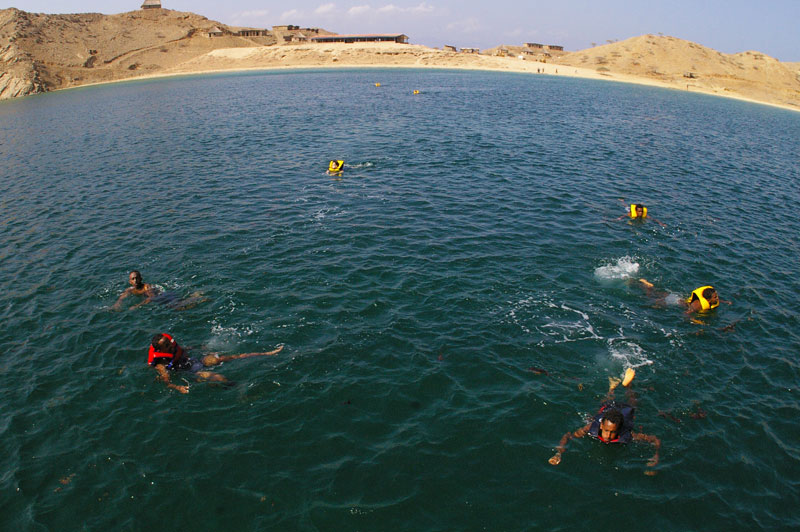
(622, 268)
(629, 354)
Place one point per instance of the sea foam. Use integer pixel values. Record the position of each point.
(622, 268)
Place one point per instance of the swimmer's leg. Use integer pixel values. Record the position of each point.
(630, 373)
(214, 359)
(214, 378)
(613, 382)
(190, 302)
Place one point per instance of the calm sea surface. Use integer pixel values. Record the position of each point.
(450, 306)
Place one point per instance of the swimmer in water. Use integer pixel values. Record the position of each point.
(138, 288)
(152, 294)
(613, 423)
(166, 356)
(637, 211)
(701, 299)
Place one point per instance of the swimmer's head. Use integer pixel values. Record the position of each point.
(135, 279)
(164, 344)
(711, 295)
(611, 424)
(639, 210)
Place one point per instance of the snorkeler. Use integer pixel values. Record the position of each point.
(166, 355)
(152, 294)
(613, 423)
(637, 211)
(701, 299)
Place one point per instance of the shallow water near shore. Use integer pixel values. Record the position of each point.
(450, 306)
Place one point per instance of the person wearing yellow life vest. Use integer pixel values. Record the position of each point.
(637, 211)
(335, 167)
(701, 299)
(166, 356)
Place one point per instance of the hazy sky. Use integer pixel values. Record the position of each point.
(730, 26)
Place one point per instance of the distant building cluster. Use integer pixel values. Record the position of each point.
(544, 47)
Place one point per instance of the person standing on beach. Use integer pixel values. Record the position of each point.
(166, 356)
(613, 423)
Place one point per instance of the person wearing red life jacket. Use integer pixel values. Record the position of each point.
(613, 423)
(166, 356)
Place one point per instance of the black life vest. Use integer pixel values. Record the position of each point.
(625, 432)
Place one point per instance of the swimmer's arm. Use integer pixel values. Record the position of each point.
(562, 445)
(163, 376)
(149, 294)
(657, 221)
(122, 296)
(649, 439)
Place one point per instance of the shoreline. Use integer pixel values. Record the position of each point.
(329, 57)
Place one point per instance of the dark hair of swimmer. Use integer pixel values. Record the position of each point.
(614, 416)
(639, 207)
(161, 343)
(708, 293)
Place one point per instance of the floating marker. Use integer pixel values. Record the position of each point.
(377, 84)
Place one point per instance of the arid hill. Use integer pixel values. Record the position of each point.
(685, 64)
(41, 52)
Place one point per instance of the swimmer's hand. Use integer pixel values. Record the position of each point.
(182, 389)
(555, 459)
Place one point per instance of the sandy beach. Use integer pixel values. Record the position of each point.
(393, 55)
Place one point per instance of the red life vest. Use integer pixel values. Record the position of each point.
(152, 354)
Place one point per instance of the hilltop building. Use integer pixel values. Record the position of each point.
(151, 4)
(375, 37)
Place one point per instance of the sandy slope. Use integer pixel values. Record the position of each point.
(671, 61)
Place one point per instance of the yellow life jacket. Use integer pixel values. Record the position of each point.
(698, 295)
(335, 166)
(633, 211)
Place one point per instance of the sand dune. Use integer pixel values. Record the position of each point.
(39, 53)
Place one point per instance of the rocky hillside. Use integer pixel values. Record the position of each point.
(41, 52)
(684, 63)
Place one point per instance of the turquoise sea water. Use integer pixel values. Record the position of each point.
(472, 238)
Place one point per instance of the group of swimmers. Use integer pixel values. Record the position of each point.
(613, 423)
(165, 354)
